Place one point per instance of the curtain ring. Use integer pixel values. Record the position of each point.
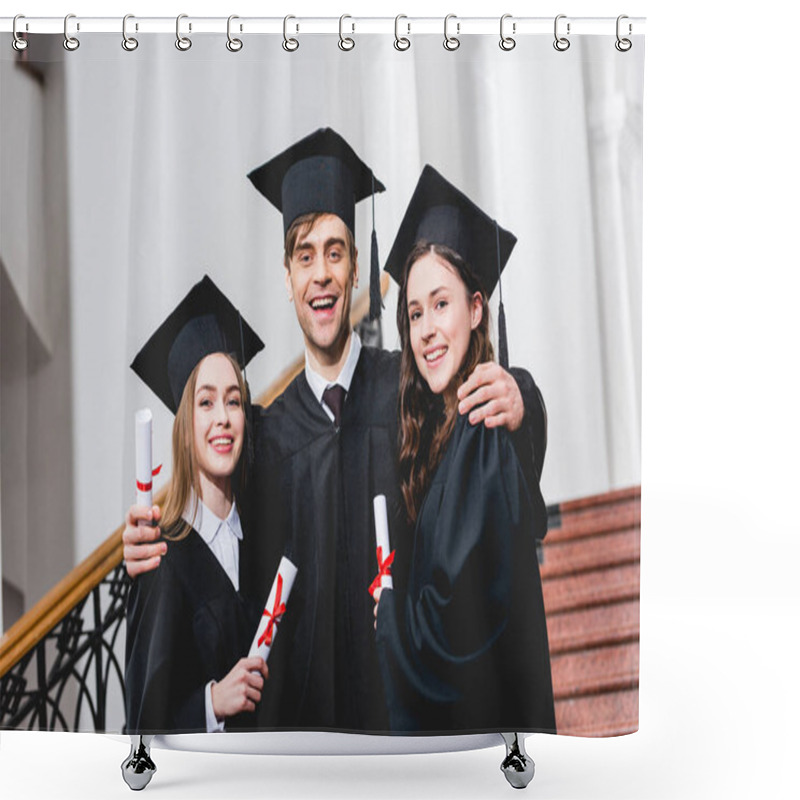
(507, 42)
(17, 42)
(70, 42)
(401, 42)
(289, 44)
(346, 42)
(183, 43)
(233, 44)
(561, 43)
(129, 43)
(623, 45)
(451, 42)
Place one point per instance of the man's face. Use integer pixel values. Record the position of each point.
(320, 279)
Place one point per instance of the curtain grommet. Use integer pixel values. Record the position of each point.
(401, 43)
(623, 44)
(17, 42)
(346, 43)
(183, 43)
(560, 43)
(71, 43)
(451, 43)
(129, 43)
(507, 43)
(289, 43)
(233, 44)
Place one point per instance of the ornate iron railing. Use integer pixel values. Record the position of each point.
(64, 681)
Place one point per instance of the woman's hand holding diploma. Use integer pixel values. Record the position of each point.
(240, 689)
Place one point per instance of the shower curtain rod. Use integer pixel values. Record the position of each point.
(406, 25)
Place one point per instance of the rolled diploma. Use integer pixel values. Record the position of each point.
(144, 457)
(382, 535)
(287, 572)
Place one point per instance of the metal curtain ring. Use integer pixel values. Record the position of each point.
(507, 42)
(17, 42)
(129, 43)
(183, 43)
(401, 42)
(289, 44)
(346, 42)
(451, 42)
(70, 42)
(623, 44)
(233, 44)
(561, 43)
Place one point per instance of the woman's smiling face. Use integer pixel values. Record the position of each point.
(218, 419)
(441, 316)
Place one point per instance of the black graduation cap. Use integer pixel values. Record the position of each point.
(204, 322)
(320, 173)
(438, 213)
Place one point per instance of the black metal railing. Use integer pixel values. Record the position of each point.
(66, 681)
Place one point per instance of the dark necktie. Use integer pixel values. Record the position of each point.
(333, 397)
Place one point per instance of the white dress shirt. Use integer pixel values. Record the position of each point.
(222, 537)
(319, 384)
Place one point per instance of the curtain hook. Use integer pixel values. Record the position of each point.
(623, 45)
(70, 42)
(289, 44)
(507, 42)
(233, 44)
(561, 43)
(401, 42)
(129, 43)
(451, 42)
(183, 43)
(17, 42)
(346, 42)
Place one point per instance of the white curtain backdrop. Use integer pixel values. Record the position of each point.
(157, 144)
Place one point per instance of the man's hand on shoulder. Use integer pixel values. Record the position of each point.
(491, 395)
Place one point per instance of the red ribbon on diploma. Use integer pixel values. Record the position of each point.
(278, 610)
(146, 487)
(384, 568)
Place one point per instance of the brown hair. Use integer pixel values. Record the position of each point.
(185, 478)
(426, 421)
(301, 227)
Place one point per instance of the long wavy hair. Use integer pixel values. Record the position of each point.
(426, 419)
(185, 474)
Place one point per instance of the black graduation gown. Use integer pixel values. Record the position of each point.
(312, 491)
(311, 496)
(464, 647)
(186, 625)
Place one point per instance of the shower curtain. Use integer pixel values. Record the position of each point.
(125, 181)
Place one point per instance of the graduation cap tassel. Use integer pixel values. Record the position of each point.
(502, 336)
(248, 411)
(375, 300)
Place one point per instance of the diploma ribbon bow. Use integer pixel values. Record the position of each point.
(146, 487)
(384, 568)
(278, 610)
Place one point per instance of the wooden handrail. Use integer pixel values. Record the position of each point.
(34, 625)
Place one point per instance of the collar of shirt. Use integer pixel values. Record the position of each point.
(208, 524)
(319, 384)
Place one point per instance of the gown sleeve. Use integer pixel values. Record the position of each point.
(161, 691)
(460, 590)
(530, 444)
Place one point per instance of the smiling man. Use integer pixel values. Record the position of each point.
(326, 448)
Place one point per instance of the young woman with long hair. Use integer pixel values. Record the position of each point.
(463, 643)
(189, 626)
